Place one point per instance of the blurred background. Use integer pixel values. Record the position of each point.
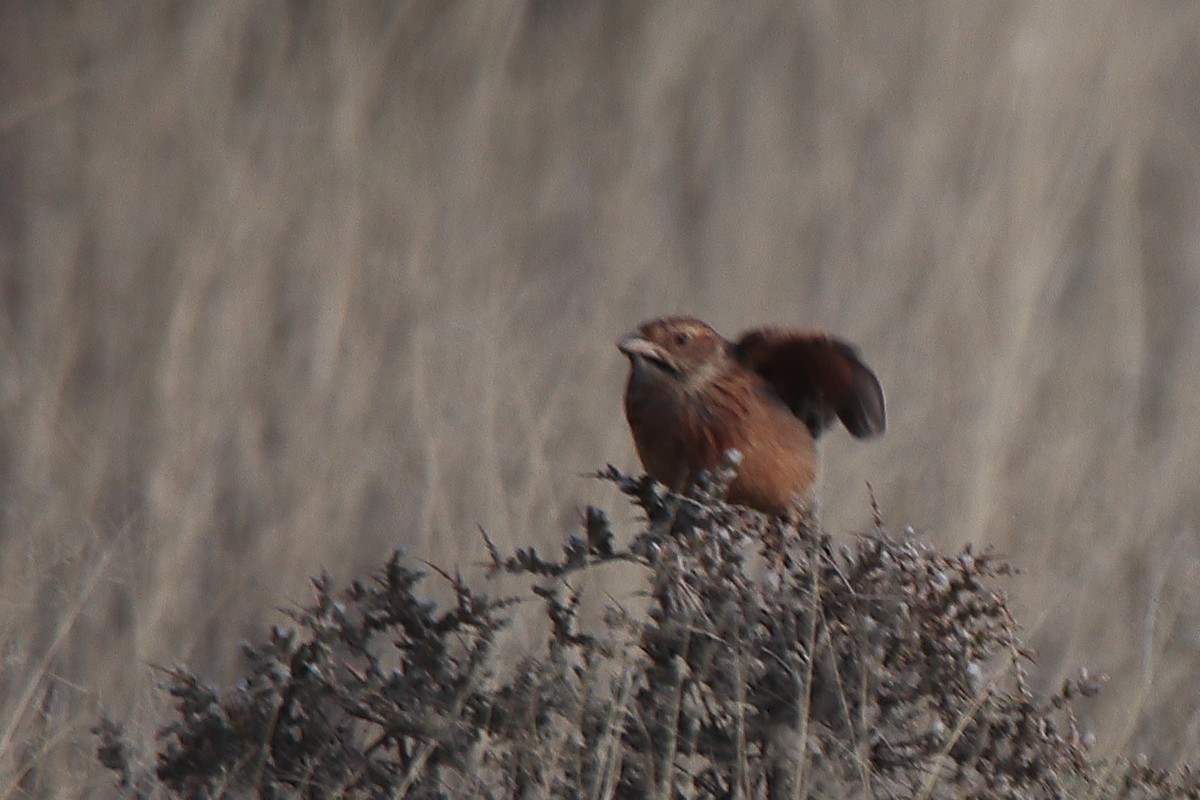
(284, 285)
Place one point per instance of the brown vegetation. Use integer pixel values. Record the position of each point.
(882, 669)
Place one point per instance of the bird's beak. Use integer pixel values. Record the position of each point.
(636, 346)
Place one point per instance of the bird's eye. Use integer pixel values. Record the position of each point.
(682, 337)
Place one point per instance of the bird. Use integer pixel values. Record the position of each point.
(692, 396)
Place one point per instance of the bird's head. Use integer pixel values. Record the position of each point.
(680, 350)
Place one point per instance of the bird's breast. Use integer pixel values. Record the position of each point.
(679, 433)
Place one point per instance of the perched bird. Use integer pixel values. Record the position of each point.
(692, 396)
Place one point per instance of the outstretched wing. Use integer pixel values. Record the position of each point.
(819, 378)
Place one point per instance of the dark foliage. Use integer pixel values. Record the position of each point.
(771, 663)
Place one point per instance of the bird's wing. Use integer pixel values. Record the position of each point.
(818, 377)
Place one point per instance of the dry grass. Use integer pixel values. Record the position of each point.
(282, 285)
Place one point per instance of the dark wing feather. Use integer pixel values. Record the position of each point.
(819, 378)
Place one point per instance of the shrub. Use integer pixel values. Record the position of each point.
(771, 662)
